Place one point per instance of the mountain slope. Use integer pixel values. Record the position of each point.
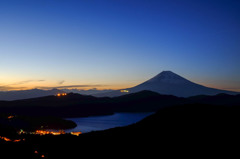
(170, 83)
(145, 101)
(71, 105)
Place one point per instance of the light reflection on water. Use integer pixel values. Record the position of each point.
(88, 124)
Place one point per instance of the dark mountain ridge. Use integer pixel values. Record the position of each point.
(76, 105)
(72, 105)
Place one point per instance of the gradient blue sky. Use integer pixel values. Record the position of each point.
(118, 43)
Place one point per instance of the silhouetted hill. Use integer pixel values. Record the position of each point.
(64, 106)
(145, 101)
(219, 99)
(76, 105)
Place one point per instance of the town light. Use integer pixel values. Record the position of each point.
(76, 133)
(124, 91)
(10, 117)
(61, 94)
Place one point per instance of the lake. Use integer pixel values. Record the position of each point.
(95, 123)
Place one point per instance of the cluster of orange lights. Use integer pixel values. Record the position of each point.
(124, 91)
(10, 140)
(61, 132)
(44, 132)
(76, 133)
(61, 94)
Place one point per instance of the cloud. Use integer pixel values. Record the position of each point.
(27, 81)
(10, 88)
(20, 86)
(14, 86)
(77, 86)
(61, 82)
(70, 86)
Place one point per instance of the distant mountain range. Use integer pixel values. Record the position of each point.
(168, 83)
(34, 93)
(87, 92)
(25, 94)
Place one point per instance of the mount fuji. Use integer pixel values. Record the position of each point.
(168, 83)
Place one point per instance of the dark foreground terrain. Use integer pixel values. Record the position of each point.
(190, 130)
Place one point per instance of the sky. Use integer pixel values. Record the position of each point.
(114, 44)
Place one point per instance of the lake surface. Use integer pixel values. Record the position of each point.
(95, 123)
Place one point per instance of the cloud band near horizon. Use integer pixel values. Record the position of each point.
(13, 88)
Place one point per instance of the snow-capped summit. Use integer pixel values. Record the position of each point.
(169, 83)
(168, 77)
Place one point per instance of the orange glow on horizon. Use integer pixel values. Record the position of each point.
(23, 84)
